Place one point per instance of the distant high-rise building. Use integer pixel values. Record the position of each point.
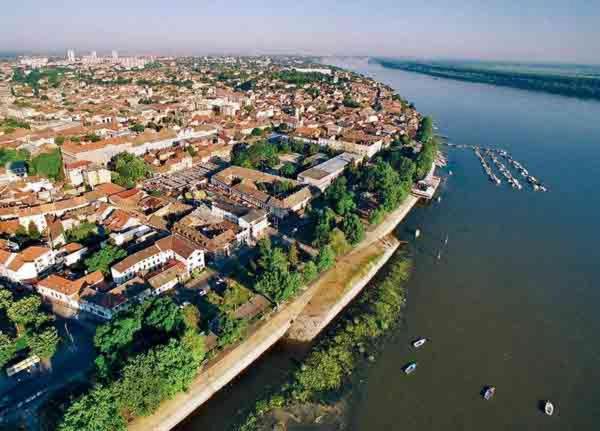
(71, 56)
(115, 55)
(93, 55)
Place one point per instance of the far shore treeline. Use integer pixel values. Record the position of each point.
(574, 81)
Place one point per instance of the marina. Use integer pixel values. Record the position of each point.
(494, 155)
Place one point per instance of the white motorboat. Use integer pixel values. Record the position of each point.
(418, 343)
(410, 368)
(549, 408)
(489, 393)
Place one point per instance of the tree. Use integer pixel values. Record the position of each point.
(129, 169)
(33, 231)
(324, 225)
(118, 333)
(45, 343)
(163, 315)
(309, 272)
(95, 411)
(191, 317)
(104, 258)
(231, 330)
(59, 140)
(191, 151)
(278, 285)
(383, 179)
(293, 257)
(377, 216)
(338, 242)
(152, 377)
(25, 313)
(137, 128)
(288, 170)
(6, 298)
(353, 228)
(426, 158)
(7, 349)
(82, 232)
(325, 258)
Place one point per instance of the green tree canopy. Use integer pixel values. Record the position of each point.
(353, 228)
(104, 258)
(95, 411)
(163, 315)
(129, 169)
(325, 258)
(25, 313)
(45, 343)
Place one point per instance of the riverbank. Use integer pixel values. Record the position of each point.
(232, 361)
(314, 396)
(563, 81)
(339, 286)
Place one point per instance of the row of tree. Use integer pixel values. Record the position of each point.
(31, 330)
(145, 355)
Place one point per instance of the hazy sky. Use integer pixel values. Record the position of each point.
(536, 30)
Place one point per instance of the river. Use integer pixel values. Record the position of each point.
(513, 300)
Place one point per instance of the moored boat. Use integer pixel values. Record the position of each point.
(549, 408)
(418, 343)
(410, 368)
(489, 393)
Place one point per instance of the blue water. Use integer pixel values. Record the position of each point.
(513, 301)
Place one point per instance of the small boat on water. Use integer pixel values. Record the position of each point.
(489, 393)
(410, 368)
(418, 343)
(549, 408)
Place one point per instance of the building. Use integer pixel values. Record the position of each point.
(220, 228)
(37, 214)
(27, 265)
(90, 294)
(277, 195)
(253, 220)
(85, 172)
(71, 56)
(173, 247)
(322, 175)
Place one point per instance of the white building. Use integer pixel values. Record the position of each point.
(321, 176)
(26, 265)
(254, 221)
(173, 247)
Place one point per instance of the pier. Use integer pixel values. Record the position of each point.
(494, 155)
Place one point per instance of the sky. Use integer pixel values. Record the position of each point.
(524, 30)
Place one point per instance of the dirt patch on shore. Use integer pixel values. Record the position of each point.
(307, 417)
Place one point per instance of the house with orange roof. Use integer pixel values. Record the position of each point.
(173, 247)
(83, 294)
(26, 265)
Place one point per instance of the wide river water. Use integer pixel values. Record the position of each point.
(514, 298)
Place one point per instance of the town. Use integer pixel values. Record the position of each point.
(153, 208)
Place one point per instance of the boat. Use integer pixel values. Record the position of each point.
(489, 393)
(418, 343)
(410, 368)
(549, 408)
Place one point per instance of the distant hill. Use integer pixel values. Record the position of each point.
(581, 81)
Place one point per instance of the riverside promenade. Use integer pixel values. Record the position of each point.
(374, 251)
